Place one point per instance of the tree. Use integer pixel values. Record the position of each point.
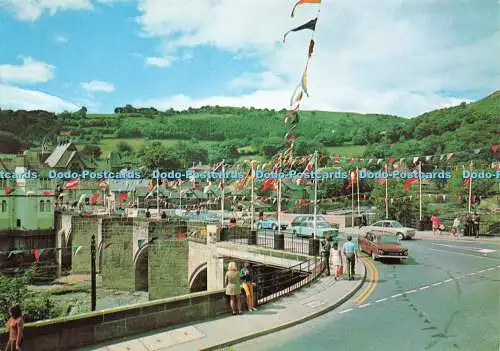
(124, 147)
(156, 156)
(92, 151)
(223, 151)
(9, 143)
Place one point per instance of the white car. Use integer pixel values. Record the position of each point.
(388, 227)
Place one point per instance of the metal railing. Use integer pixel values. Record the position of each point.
(272, 240)
(272, 285)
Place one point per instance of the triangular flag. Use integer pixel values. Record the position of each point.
(300, 2)
(72, 184)
(409, 182)
(303, 81)
(311, 48)
(309, 25)
(36, 254)
(7, 190)
(495, 147)
(268, 183)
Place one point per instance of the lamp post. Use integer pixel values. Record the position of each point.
(93, 273)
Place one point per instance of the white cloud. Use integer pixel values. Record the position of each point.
(17, 98)
(159, 61)
(98, 86)
(30, 72)
(31, 10)
(60, 39)
(381, 57)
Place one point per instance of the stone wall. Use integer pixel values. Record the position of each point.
(168, 268)
(82, 229)
(118, 271)
(88, 329)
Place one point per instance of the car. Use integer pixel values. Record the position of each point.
(389, 227)
(304, 226)
(383, 247)
(271, 224)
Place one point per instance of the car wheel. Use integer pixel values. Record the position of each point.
(400, 236)
(374, 257)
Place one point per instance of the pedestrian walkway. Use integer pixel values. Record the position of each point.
(306, 303)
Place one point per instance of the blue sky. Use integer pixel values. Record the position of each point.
(395, 56)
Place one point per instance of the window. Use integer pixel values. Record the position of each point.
(47, 206)
(18, 222)
(4, 205)
(42, 206)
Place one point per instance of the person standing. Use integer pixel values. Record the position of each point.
(455, 228)
(15, 325)
(435, 226)
(350, 253)
(233, 287)
(246, 277)
(476, 219)
(336, 257)
(326, 253)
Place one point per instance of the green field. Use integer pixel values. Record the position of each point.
(351, 150)
(108, 145)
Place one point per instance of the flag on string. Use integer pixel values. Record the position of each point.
(495, 147)
(309, 25)
(207, 188)
(295, 96)
(72, 184)
(47, 193)
(123, 196)
(391, 160)
(103, 184)
(353, 180)
(311, 48)
(7, 190)
(467, 181)
(291, 114)
(303, 82)
(409, 182)
(76, 250)
(268, 183)
(290, 137)
(301, 2)
(36, 255)
(381, 180)
(94, 198)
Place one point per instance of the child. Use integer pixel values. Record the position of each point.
(15, 326)
(336, 257)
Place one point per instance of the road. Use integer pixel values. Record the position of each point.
(446, 297)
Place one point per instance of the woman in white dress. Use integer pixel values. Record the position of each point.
(336, 259)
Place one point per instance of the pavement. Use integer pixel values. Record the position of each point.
(321, 296)
(444, 297)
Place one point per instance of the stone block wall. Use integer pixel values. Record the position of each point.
(118, 259)
(82, 229)
(168, 268)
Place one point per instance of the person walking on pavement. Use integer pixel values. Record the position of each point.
(455, 228)
(476, 219)
(435, 226)
(233, 287)
(15, 325)
(246, 277)
(336, 257)
(326, 253)
(350, 253)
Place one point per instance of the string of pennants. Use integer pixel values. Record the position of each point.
(292, 117)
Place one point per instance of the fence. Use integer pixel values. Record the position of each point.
(272, 240)
(277, 283)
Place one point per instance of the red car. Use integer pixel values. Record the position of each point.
(383, 247)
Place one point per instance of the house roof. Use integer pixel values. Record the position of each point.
(129, 185)
(60, 152)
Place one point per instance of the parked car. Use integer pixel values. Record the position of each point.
(388, 227)
(271, 224)
(383, 247)
(304, 226)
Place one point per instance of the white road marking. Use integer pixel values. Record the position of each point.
(345, 311)
(465, 254)
(475, 249)
(420, 289)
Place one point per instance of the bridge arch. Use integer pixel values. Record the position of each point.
(141, 268)
(198, 281)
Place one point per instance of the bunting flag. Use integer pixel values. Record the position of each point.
(353, 180)
(207, 188)
(72, 184)
(76, 250)
(293, 113)
(103, 184)
(381, 180)
(7, 190)
(94, 198)
(47, 193)
(150, 186)
(123, 196)
(409, 182)
(309, 25)
(466, 181)
(268, 183)
(311, 48)
(36, 255)
(303, 81)
(301, 2)
(495, 147)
